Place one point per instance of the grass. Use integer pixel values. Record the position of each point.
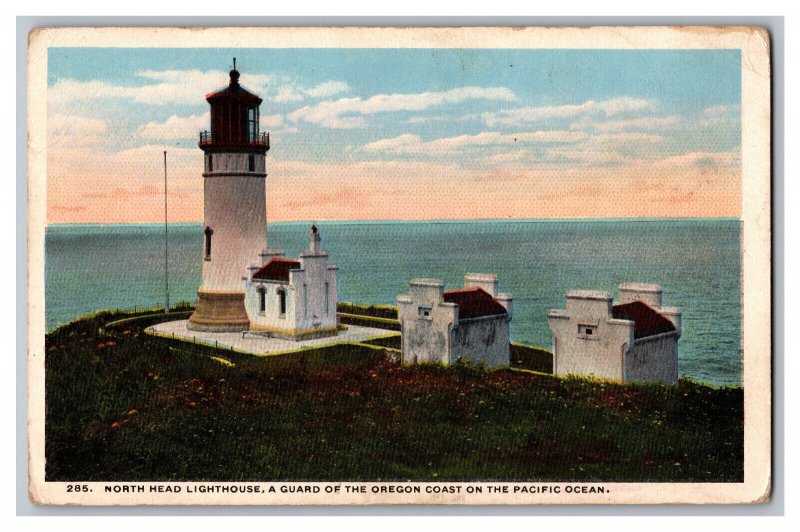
(126, 406)
(392, 341)
(376, 316)
(531, 358)
(387, 312)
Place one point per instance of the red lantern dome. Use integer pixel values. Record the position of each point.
(234, 120)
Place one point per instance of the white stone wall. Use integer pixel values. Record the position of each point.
(646, 293)
(315, 309)
(673, 314)
(599, 354)
(267, 254)
(235, 209)
(653, 359)
(482, 341)
(425, 338)
(271, 319)
(486, 281)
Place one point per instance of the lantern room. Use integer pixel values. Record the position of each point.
(234, 120)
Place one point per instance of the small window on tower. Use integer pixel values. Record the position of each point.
(210, 163)
(251, 163)
(425, 313)
(587, 331)
(208, 233)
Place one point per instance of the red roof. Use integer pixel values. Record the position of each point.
(277, 270)
(646, 321)
(474, 303)
(233, 91)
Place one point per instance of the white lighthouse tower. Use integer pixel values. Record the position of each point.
(235, 211)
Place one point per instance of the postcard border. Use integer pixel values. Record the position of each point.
(756, 212)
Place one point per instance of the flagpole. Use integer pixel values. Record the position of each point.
(166, 242)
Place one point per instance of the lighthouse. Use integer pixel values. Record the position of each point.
(234, 206)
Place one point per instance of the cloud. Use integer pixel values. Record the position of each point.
(350, 112)
(604, 108)
(168, 87)
(507, 158)
(629, 139)
(175, 127)
(644, 123)
(291, 91)
(720, 115)
(70, 90)
(327, 89)
(589, 157)
(174, 84)
(270, 121)
(714, 116)
(433, 191)
(143, 156)
(721, 110)
(399, 144)
(171, 87)
(75, 130)
(335, 172)
(703, 159)
(512, 187)
(553, 148)
(413, 144)
(608, 149)
(617, 106)
(287, 93)
(88, 177)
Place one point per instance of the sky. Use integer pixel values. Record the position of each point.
(404, 134)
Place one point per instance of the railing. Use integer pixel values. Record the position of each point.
(261, 139)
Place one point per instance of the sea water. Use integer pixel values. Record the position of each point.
(697, 262)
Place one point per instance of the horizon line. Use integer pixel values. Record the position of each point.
(434, 220)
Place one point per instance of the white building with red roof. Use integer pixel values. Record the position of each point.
(634, 339)
(293, 298)
(441, 326)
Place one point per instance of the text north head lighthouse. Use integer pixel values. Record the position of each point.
(234, 205)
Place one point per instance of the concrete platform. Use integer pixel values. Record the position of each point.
(257, 344)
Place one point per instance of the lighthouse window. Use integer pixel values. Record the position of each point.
(327, 298)
(282, 301)
(425, 312)
(251, 163)
(210, 163)
(262, 299)
(208, 233)
(305, 300)
(252, 123)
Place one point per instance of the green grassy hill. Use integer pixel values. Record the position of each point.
(125, 406)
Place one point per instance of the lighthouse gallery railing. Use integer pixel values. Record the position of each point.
(261, 139)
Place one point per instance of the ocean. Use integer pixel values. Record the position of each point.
(696, 261)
